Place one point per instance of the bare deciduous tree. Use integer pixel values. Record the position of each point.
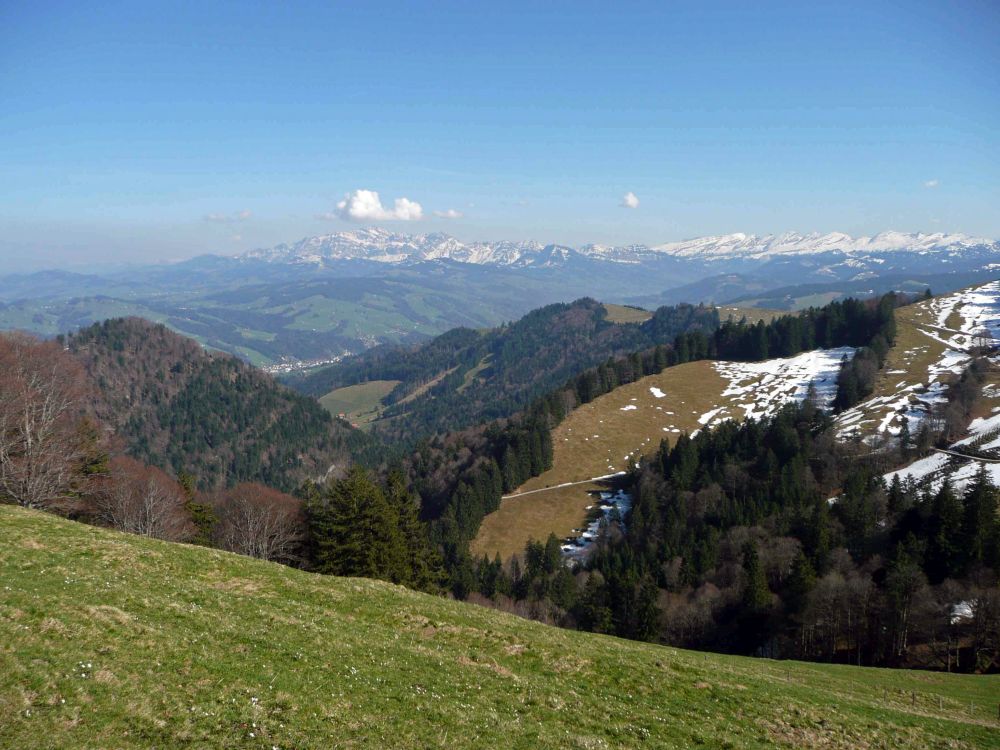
(42, 448)
(143, 500)
(260, 522)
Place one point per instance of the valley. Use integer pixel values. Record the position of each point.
(466, 377)
(325, 297)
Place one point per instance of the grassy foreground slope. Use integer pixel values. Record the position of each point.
(108, 640)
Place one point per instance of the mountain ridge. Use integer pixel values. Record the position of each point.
(385, 246)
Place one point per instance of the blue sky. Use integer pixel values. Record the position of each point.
(139, 131)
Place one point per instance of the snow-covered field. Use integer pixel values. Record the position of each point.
(974, 318)
(760, 388)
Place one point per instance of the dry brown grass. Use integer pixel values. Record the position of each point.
(691, 390)
(752, 314)
(623, 314)
(907, 363)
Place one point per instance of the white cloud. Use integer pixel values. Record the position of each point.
(630, 200)
(365, 205)
(931, 184)
(229, 218)
(451, 213)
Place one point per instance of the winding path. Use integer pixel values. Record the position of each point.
(565, 484)
(969, 456)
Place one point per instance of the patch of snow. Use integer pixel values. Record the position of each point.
(708, 416)
(761, 388)
(961, 611)
(611, 503)
(921, 468)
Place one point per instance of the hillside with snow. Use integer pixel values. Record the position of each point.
(935, 343)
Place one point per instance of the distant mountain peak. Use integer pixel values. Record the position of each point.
(743, 246)
(385, 246)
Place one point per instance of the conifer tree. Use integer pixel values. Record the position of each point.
(202, 514)
(800, 582)
(355, 530)
(647, 626)
(980, 524)
(420, 565)
(756, 595)
(905, 440)
(552, 559)
(896, 497)
(595, 614)
(944, 547)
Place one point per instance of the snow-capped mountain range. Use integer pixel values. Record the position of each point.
(381, 245)
(741, 245)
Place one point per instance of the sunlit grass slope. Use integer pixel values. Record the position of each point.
(111, 641)
(624, 314)
(360, 403)
(594, 440)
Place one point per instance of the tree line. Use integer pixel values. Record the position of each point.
(465, 378)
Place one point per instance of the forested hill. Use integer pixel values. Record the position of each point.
(466, 377)
(210, 415)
